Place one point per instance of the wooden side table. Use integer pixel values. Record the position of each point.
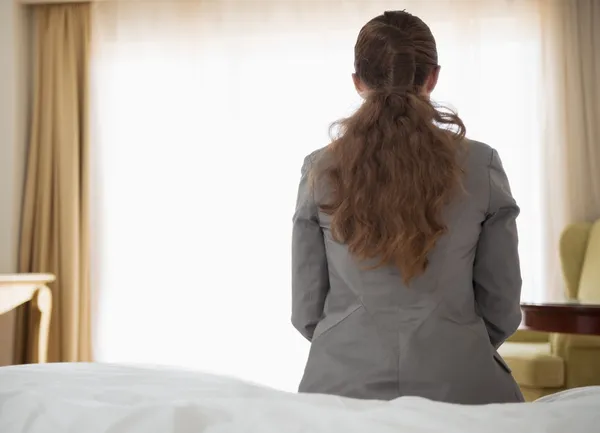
(18, 289)
(563, 318)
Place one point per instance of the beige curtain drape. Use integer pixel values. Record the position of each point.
(571, 35)
(54, 232)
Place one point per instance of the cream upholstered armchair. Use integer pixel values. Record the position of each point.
(545, 363)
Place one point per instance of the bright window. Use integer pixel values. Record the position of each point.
(202, 116)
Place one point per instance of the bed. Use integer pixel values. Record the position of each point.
(101, 398)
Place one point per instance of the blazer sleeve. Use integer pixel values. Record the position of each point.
(496, 272)
(310, 276)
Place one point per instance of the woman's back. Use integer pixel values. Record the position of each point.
(378, 338)
(405, 269)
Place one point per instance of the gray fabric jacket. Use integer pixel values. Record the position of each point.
(372, 337)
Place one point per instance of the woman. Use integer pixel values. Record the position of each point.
(406, 272)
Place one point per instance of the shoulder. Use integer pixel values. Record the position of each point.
(479, 163)
(479, 154)
(485, 168)
(316, 155)
(313, 158)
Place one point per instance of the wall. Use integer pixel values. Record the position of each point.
(15, 56)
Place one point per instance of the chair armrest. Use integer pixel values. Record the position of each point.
(561, 343)
(572, 247)
(526, 336)
(581, 354)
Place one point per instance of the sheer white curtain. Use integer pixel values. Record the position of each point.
(203, 112)
(571, 120)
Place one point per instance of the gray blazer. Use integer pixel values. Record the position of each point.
(372, 337)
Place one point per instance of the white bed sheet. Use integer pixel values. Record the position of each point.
(100, 398)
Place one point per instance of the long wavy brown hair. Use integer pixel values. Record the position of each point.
(393, 167)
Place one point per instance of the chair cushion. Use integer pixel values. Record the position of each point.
(589, 282)
(534, 365)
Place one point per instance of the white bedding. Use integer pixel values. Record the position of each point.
(95, 398)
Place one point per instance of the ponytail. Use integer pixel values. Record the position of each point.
(392, 169)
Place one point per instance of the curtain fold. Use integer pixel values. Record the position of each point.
(570, 31)
(55, 216)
